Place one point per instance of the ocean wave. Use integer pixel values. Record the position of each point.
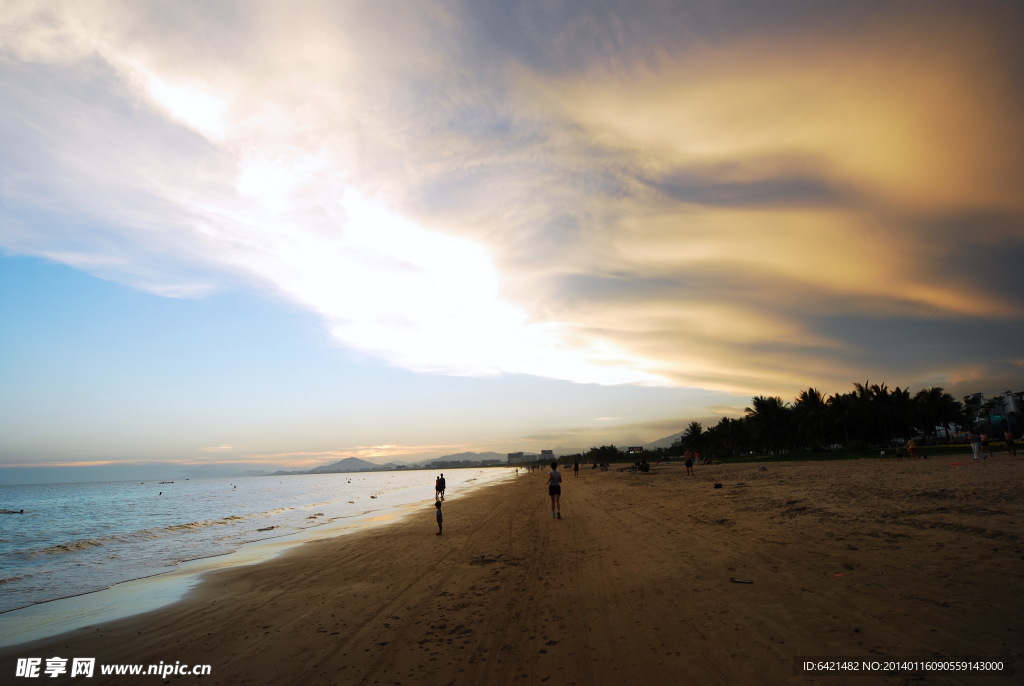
(73, 546)
(180, 527)
(139, 535)
(220, 521)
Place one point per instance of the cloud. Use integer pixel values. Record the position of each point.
(684, 196)
(768, 182)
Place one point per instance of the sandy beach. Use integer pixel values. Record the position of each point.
(654, 578)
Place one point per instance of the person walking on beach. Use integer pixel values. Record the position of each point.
(1010, 447)
(437, 505)
(576, 468)
(689, 463)
(976, 445)
(555, 490)
(437, 488)
(442, 484)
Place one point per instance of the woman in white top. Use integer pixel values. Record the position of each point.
(555, 490)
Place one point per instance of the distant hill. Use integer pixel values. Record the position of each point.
(354, 464)
(664, 442)
(349, 464)
(465, 457)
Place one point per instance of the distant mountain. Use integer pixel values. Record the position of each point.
(349, 464)
(664, 442)
(221, 471)
(354, 464)
(468, 457)
(457, 457)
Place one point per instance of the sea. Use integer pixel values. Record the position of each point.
(79, 538)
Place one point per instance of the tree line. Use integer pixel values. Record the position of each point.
(870, 415)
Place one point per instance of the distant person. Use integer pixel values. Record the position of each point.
(441, 480)
(911, 449)
(437, 488)
(976, 445)
(440, 519)
(555, 490)
(986, 447)
(576, 468)
(689, 463)
(1010, 447)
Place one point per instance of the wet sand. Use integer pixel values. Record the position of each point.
(643, 581)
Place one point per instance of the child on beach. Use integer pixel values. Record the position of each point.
(437, 504)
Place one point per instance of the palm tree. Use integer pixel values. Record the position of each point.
(900, 413)
(769, 421)
(693, 437)
(730, 435)
(874, 401)
(936, 409)
(842, 414)
(809, 415)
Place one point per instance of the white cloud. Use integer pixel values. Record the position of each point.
(436, 199)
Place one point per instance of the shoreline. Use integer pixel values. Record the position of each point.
(635, 584)
(125, 599)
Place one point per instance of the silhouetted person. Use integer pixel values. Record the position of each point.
(555, 490)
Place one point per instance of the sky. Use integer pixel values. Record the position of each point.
(270, 234)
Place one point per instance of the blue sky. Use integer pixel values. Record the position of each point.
(410, 229)
(96, 372)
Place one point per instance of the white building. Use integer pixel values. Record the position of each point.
(531, 458)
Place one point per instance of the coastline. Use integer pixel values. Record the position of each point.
(147, 593)
(126, 599)
(638, 583)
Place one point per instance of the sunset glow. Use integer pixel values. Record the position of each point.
(402, 232)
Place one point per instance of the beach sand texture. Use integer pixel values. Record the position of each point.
(866, 559)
